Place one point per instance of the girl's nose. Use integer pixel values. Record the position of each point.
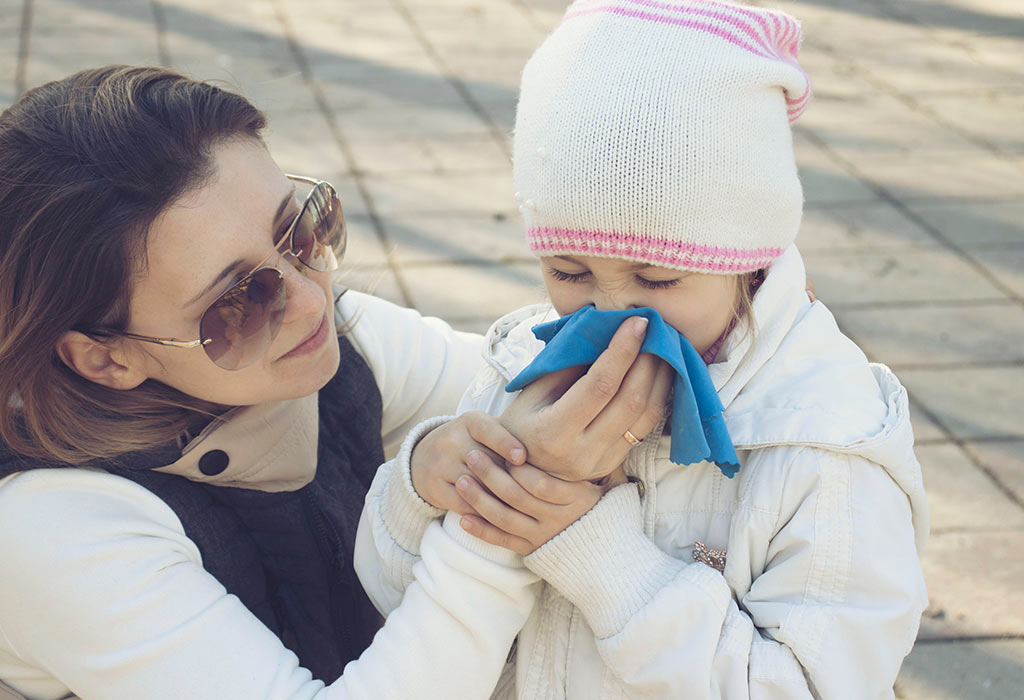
(612, 302)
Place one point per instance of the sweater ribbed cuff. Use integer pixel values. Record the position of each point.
(498, 555)
(406, 515)
(605, 564)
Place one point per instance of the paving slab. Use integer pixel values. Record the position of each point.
(473, 290)
(878, 276)
(437, 238)
(992, 115)
(875, 224)
(137, 39)
(403, 194)
(376, 280)
(926, 431)
(929, 176)
(407, 79)
(973, 224)
(1005, 264)
(302, 143)
(824, 180)
(983, 670)
(1004, 459)
(949, 335)
(41, 68)
(928, 66)
(974, 585)
(395, 119)
(878, 123)
(365, 248)
(273, 86)
(972, 402)
(960, 495)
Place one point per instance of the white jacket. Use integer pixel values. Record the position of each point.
(822, 591)
(102, 593)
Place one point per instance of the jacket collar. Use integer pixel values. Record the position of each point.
(267, 447)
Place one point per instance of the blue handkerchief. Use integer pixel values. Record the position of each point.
(698, 426)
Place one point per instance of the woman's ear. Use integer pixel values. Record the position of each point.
(98, 362)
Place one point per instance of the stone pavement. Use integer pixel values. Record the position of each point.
(912, 157)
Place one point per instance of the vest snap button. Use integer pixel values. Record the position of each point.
(213, 462)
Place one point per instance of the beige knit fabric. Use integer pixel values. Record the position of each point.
(659, 131)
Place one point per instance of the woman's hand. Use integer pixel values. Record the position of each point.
(521, 507)
(440, 457)
(574, 426)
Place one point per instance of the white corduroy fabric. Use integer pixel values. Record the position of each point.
(659, 131)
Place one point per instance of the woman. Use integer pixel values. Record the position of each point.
(190, 422)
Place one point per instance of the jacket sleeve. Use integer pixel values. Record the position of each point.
(422, 365)
(103, 595)
(830, 613)
(394, 516)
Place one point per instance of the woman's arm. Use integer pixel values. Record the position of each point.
(832, 614)
(422, 366)
(104, 595)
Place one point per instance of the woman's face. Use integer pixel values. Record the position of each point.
(200, 246)
(699, 306)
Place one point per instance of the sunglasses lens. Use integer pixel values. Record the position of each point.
(320, 236)
(244, 321)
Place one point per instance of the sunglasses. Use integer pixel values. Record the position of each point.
(239, 326)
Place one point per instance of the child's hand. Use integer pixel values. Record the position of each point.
(575, 427)
(440, 457)
(521, 508)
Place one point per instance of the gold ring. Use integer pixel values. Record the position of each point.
(631, 438)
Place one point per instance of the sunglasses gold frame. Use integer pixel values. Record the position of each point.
(288, 236)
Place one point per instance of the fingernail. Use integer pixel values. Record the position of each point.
(639, 326)
(517, 455)
(473, 458)
(466, 524)
(462, 483)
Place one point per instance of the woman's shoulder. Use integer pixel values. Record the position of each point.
(51, 517)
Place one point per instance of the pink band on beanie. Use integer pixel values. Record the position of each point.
(549, 241)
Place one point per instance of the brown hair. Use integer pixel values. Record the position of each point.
(87, 163)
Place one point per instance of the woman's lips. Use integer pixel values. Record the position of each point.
(311, 344)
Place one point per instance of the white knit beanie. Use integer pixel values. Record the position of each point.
(658, 131)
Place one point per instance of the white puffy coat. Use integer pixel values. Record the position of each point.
(822, 591)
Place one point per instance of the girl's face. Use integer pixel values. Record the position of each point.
(697, 305)
(199, 247)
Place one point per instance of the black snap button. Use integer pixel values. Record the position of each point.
(213, 462)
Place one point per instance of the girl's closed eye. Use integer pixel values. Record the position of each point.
(568, 276)
(657, 284)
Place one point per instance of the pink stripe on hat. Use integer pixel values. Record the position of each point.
(780, 41)
(648, 249)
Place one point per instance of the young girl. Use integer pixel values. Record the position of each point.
(654, 161)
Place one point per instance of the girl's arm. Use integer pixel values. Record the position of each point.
(831, 614)
(103, 595)
(395, 514)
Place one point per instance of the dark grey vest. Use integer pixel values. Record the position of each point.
(287, 555)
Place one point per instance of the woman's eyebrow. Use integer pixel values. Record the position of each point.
(232, 266)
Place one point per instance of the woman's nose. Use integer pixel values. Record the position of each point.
(305, 294)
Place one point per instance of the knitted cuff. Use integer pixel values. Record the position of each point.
(605, 564)
(405, 514)
(498, 555)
